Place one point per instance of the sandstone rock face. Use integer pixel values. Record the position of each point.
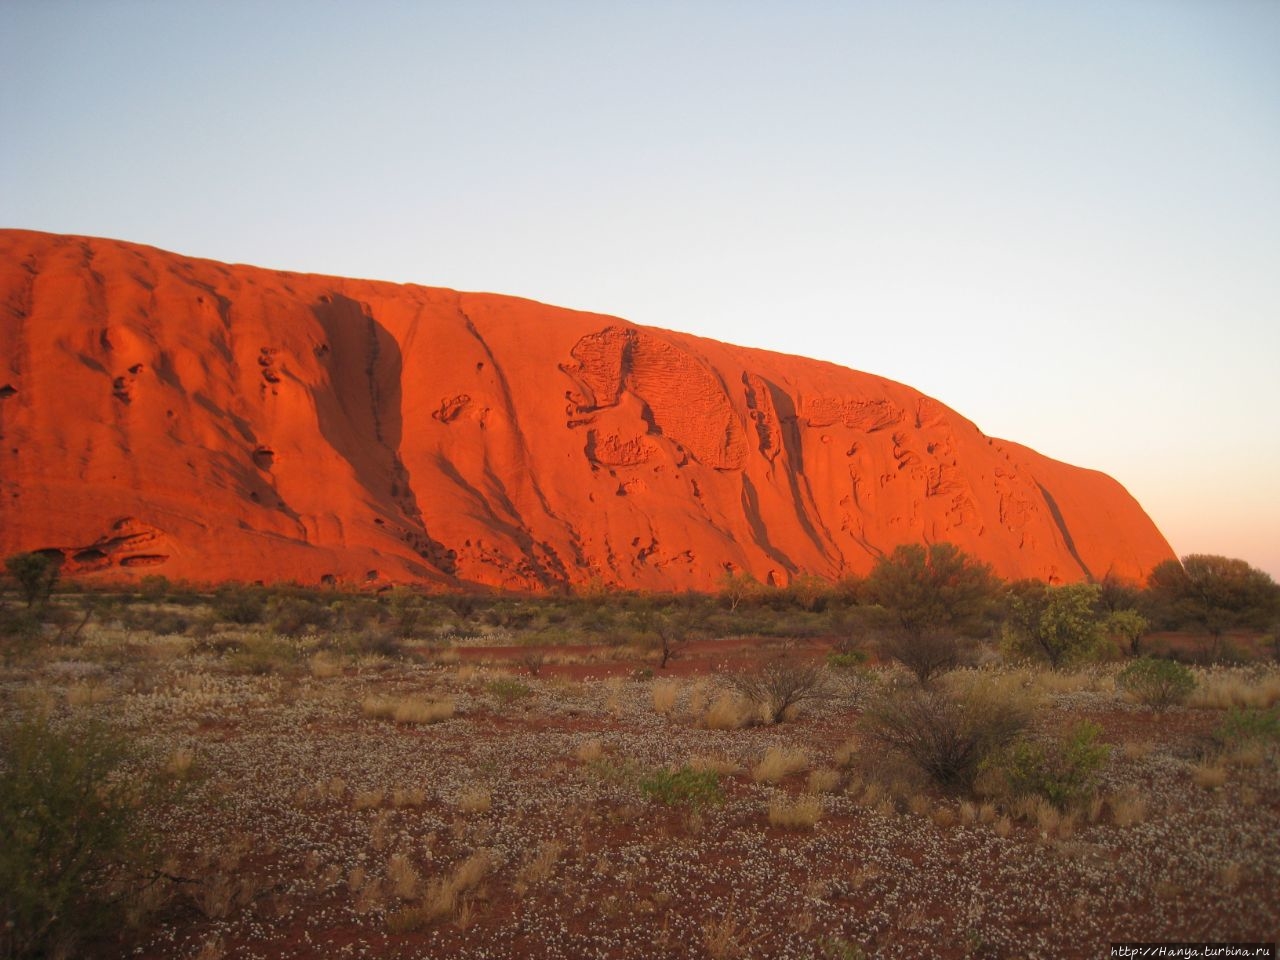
(164, 415)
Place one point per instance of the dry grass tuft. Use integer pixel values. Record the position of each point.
(1210, 774)
(1248, 755)
(402, 876)
(802, 813)
(1136, 749)
(368, 799)
(723, 937)
(1231, 875)
(846, 754)
(665, 694)
(540, 866)
(729, 712)
(475, 799)
(87, 694)
(408, 797)
(589, 751)
(824, 780)
(1128, 808)
(180, 763)
(407, 709)
(324, 667)
(443, 895)
(1227, 688)
(943, 816)
(777, 763)
(721, 766)
(356, 880)
(423, 711)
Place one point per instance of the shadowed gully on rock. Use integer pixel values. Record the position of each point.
(161, 414)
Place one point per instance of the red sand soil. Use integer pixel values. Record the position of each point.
(166, 415)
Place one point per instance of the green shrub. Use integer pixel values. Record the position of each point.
(35, 574)
(238, 603)
(68, 821)
(508, 690)
(262, 655)
(1157, 683)
(295, 615)
(155, 619)
(1246, 725)
(1064, 772)
(20, 631)
(850, 660)
(683, 787)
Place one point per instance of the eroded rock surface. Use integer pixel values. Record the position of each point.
(160, 414)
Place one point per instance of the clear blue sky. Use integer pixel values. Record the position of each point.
(1060, 219)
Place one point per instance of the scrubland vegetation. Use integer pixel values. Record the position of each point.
(927, 762)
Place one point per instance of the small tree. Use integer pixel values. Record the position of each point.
(1129, 627)
(930, 597)
(1058, 624)
(1213, 594)
(670, 627)
(737, 587)
(35, 574)
(67, 821)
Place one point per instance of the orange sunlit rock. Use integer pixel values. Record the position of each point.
(166, 415)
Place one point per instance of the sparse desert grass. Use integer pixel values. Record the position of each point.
(1048, 819)
(1128, 808)
(943, 816)
(475, 799)
(180, 764)
(846, 755)
(272, 805)
(778, 763)
(729, 712)
(87, 694)
(798, 813)
(824, 780)
(442, 895)
(1248, 755)
(408, 797)
(368, 799)
(1210, 774)
(724, 937)
(1136, 749)
(324, 666)
(721, 766)
(407, 710)
(699, 698)
(539, 867)
(402, 876)
(1222, 688)
(665, 693)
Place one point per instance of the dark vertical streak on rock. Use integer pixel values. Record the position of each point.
(1062, 528)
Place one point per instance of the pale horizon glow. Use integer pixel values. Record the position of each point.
(1061, 220)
